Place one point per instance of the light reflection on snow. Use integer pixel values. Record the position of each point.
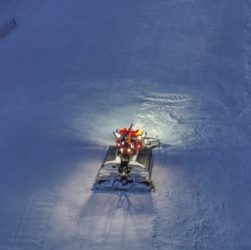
(99, 219)
(159, 114)
(164, 115)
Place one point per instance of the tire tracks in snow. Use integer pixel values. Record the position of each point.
(161, 194)
(32, 227)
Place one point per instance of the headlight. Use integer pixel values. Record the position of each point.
(117, 134)
(128, 150)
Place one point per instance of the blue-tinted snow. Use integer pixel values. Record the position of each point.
(75, 70)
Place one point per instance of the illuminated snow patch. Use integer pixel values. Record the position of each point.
(160, 114)
(106, 106)
(165, 115)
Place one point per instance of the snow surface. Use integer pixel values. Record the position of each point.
(73, 71)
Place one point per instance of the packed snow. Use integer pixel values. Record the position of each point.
(73, 71)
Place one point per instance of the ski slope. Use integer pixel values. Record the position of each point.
(73, 71)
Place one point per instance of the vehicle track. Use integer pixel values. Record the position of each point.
(155, 235)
